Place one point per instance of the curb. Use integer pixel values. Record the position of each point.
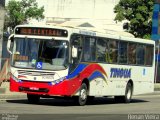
(16, 96)
(154, 93)
(156, 89)
(12, 96)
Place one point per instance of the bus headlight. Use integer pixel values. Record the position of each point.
(15, 78)
(58, 81)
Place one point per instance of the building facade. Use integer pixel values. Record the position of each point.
(156, 21)
(2, 14)
(92, 11)
(95, 9)
(156, 35)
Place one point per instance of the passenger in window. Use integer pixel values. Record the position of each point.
(113, 51)
(132, 54)
(86, 56)
(108, 59)
(34, 53)
(113, 55)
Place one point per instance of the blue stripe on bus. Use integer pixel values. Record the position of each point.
(96, 74)
(77, 70)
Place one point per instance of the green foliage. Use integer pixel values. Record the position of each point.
(19, 12)
(138, 13)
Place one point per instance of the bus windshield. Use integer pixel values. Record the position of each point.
(40, 54)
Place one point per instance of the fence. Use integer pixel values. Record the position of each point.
(5, 72)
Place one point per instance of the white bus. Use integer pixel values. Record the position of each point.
(81, 64)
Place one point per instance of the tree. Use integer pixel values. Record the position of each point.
(138, 13)
(19, 12)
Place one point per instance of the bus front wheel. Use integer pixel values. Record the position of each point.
(33, 99)
(83, 93)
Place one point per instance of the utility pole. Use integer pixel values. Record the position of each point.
(2, 15)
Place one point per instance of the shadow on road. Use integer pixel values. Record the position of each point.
(70, 102)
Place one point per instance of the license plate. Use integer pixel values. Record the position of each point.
(34, 88)
(47, 77)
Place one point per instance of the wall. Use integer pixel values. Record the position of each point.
(2, 13)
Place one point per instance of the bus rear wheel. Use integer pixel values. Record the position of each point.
(83, 93)
(128, 95)
(33, 99)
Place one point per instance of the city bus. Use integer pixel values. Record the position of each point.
(69, 62)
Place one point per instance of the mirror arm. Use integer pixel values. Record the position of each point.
(10, 39)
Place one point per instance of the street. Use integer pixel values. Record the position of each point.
(99, 108)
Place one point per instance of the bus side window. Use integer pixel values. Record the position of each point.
(89, 49)
(140, 54)
(122, 52)
(132, 53)
(102, 50)
(76, 42)
(149, 55)
(113, 51)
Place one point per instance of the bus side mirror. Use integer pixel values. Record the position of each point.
(10, 39)
(74, 52)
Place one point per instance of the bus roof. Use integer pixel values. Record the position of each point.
(113, 34)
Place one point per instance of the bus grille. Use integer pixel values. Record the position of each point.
(34, 73)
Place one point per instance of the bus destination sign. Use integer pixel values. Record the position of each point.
(41, 31)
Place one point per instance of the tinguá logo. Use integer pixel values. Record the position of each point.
(120, 73)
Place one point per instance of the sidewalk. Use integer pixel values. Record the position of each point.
(13, 95)
(5, 93)
(157, 87)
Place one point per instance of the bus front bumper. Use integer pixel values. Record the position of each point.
(66, 88)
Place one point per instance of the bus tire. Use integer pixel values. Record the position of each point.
(33, 99)
(128, 95)
(90, 99)
(83, 93)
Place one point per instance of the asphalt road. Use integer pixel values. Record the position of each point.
(101, 108)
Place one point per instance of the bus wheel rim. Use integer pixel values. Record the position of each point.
(129, 94)
(83, 94)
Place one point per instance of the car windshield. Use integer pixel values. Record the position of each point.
(40, 53)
